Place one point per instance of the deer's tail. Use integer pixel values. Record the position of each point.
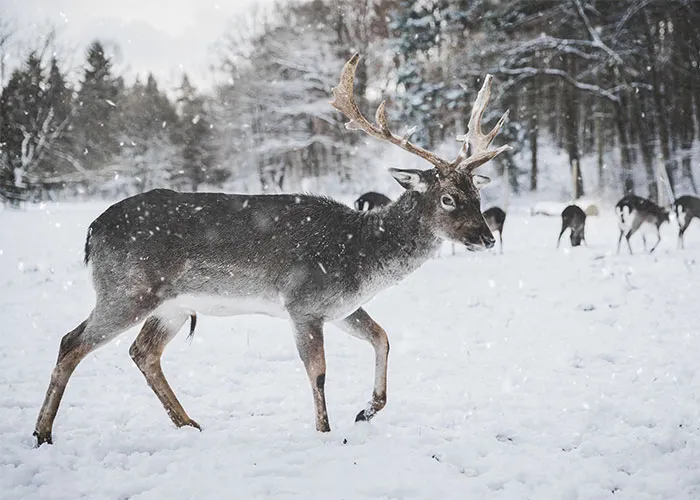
(193, 324)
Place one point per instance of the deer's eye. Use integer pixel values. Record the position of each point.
(447, 202)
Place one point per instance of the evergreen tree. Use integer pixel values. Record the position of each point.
(146, 120)
(59, 97)
(194, 135)
(97, 101)
(35, 112)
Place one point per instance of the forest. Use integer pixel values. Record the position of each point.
(615, 84)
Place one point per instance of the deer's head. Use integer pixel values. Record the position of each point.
(451, 204)
(450, 190)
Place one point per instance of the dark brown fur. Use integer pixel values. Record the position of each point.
(573, 218)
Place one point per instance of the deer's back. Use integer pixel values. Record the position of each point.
(636, 206)
(689, 204)
(495, 217)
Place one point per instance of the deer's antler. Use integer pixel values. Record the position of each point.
(474, 151)
(344, 101)
(475, 143)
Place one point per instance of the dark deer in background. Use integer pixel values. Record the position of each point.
(495, 217)
(633, 211)
(573, 218)
(371, 200)
(161, 256)
(686, 208)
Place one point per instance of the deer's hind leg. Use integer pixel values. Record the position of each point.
(146, 351)
(108, 320)
(359, 324)
(658, 240)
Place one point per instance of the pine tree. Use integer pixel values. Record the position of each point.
(34, 120)
(194, 135)
(146, 120)
(97, 100)
(59, 97)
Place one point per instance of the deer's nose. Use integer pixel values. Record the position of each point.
(488, 240)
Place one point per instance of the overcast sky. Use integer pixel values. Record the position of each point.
(163, 36)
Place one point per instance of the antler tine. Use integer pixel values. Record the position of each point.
(474, 151)
(344, 101)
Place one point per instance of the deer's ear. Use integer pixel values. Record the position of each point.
(480, 180)
(410, 179)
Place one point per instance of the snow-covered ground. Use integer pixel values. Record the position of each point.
(535, 374)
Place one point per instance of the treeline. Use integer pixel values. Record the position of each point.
(615, 82)
(101, 135)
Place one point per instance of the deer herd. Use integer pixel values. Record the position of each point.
(633, 213)
(161, 257)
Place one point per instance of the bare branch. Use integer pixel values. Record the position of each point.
(531, 72)
(596, 39)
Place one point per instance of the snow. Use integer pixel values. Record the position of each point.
(535, 374)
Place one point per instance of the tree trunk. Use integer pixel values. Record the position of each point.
(688, 83)
(644, 138)
(571, 123)
(600, 148)
(621, 123)
(669, 164)
(533, 133)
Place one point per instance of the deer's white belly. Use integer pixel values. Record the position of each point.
(212, 305)
(648, 228)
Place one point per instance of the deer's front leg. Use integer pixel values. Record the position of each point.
(308, 334)
(359, 324)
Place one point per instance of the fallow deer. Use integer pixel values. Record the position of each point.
(495, 217)
(573, 218)
(686, 208)
(634, 211)
(161, 256)
(370, 201)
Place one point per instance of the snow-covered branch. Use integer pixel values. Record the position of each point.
(594, 35)
(558, 73)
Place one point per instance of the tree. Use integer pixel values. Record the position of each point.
(146, 121)
(35, 110)
(194, 134)
(95, 135)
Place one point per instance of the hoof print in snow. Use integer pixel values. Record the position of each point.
(503, 438)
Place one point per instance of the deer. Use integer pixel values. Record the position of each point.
(686, 208)
(573, 218)
(633, 211)
(370, 201)
(160, 257)
(495, 217)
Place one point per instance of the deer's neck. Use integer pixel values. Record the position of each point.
(398, 239)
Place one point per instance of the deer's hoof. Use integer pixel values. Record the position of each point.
(364, 416)
(194, 424)
(188, 423)
(42, 438)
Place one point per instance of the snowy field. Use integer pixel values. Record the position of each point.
(537, 374)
